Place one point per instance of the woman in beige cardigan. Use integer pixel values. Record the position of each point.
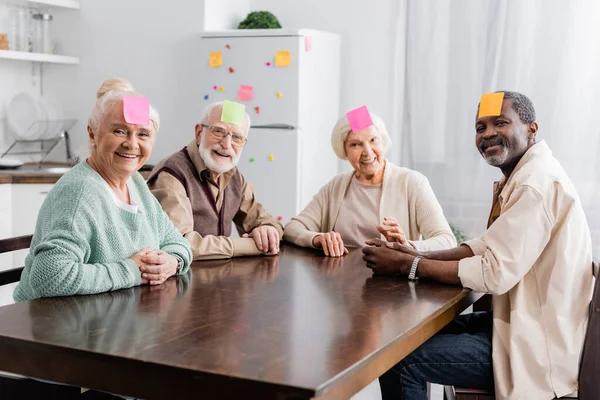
(377, 199)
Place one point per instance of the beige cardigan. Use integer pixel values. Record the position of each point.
(406, 196)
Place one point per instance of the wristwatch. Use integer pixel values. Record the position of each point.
(412, 275)
(179, 263)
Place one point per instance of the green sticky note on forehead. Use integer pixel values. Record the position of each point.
(233, 112)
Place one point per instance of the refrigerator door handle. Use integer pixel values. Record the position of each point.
(273, 126)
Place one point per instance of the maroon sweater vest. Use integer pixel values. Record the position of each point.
(207, 220)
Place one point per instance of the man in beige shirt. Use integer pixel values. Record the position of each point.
(202, 191)
(535, 259)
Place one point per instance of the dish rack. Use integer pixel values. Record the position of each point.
(41, 138)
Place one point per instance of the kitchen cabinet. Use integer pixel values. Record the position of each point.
(27, 200)
(19, 208)
(6, 223)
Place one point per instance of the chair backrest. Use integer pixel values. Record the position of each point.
(589, 384)
(8, 245)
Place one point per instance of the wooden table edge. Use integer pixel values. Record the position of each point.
(29, 359)
(378, 363)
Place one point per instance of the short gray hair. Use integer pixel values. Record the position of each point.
(209, 109)
(342, 129)
(110, 91)
(522, 106)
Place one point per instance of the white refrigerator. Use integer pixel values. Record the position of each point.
(293, 104)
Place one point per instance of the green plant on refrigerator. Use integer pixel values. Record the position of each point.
(260, 20)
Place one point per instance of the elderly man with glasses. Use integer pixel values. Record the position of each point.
(202, 191)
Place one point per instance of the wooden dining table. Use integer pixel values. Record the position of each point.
(293, 326)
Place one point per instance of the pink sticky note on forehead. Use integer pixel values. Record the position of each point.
(359, 119)
(136, 110)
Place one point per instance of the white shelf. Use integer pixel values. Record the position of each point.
(38, 57)
(70, 4)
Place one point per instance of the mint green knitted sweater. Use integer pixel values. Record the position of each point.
(83, 240)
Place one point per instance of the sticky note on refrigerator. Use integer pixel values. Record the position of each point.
(283, 58)
(215, 59)
(490, 104)
(245, 93)
(136, 110)
(359, 119)
(308, 43)
(233, 112)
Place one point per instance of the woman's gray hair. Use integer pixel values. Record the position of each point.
(110, 91)
(209, 109)
(342, 129)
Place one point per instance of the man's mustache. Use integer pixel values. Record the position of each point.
(491, 142)
(221, 150)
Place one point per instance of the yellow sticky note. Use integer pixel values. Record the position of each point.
(221, 88)
(283, 58)
(271, 158)
(279, 95)
(490, 104)
(215, 59)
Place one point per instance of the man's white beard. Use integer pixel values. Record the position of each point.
(497, 160)
(220, 165)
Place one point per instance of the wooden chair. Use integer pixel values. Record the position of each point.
(8, 245)
(18, 387)
(589, 384)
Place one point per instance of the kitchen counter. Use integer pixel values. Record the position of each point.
(45, 173)
(34, 173)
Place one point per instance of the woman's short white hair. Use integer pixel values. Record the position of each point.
(209, 109)
(342, 129)
(110, 91)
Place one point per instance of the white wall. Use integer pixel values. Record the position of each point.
(21, 76)
(152, 43)
(224, 14)
(367, 42)
(15, 77)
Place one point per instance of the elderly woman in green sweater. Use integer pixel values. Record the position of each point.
(376, 199)
(100, 229)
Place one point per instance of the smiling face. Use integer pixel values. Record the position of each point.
(119, 149)
(365, 152)
(218, 153)
(502, 140)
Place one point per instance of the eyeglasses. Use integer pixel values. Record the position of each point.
(221, 133)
